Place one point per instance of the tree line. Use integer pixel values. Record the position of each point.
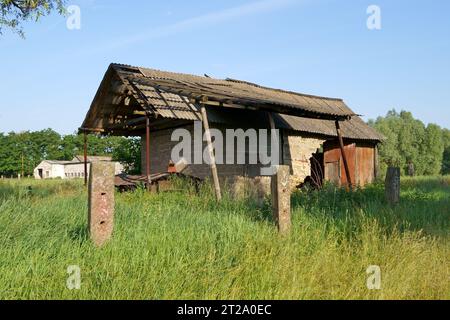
(21, 152)
(416, 148)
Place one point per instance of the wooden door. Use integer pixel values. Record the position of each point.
(333, 172)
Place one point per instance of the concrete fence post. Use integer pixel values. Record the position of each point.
(101, 202)
(281, 199)
(392, 186)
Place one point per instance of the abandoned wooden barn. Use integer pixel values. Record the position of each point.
(134, 101)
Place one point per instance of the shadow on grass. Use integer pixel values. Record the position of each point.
(79, 234)
(259, 212)
(28, 188)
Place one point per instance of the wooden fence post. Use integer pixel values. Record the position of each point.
(101, 202)
(85, 141)
(212, 156)
(376, 163)
(344, 155)
(147, 154)
(392, 186)
(281, 199)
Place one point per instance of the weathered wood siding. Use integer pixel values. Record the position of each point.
(366, 164)
(361, 162)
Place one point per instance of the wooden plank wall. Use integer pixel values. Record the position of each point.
(361, 161)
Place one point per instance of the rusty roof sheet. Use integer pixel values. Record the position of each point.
(170, 95)
(172, 87)
(176, 106)
(169, 105)
(355, 128)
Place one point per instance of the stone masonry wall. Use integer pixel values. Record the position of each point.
(297, 151)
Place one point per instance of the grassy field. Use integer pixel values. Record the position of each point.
(184, 246)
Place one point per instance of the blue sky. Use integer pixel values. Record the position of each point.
(320, 47)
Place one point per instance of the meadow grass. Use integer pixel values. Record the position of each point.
(185, 246)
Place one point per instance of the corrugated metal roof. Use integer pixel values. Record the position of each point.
(174, 85)
(355, 128)
(169, 105)
(175, 106)
(170, 95)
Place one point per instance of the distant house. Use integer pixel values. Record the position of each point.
(51, 169)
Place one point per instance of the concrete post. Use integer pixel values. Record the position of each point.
(101, 202)
(281, 199)
(392, 186)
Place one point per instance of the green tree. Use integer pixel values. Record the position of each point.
(48, 144)
(71, 145)
(128, 152)
(411, 136)
(28, 149)
(388, 151)
(14, 12)
(446, 157)
(410, 143)
(25, 150)
(433, 150)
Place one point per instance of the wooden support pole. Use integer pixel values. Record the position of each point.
(147, 153)
(101, 202)
(85, 160)
(271, 121)
(212, 157)
(344, 156)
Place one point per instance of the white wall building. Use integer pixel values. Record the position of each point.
(50, 169)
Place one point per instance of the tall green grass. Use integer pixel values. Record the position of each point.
(185, 246)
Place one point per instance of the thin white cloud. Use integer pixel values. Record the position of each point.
(202, 21)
